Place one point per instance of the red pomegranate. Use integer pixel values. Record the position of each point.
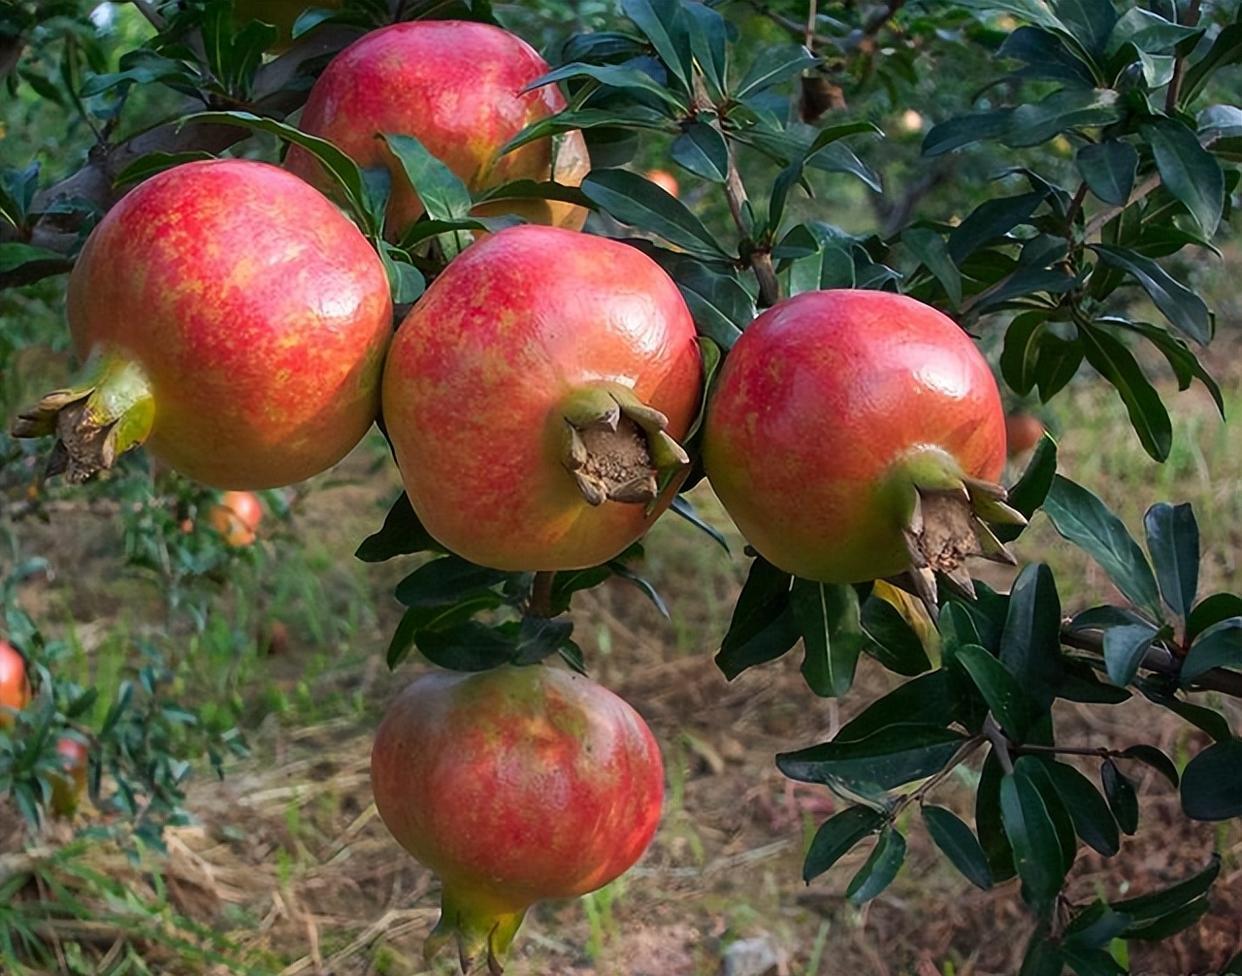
(228, 314)
(70, 783)
(14, 686)
(457, 87)
(537, 388)
(1022, 432)
(856, 434)
(237, 517)
(514, 785)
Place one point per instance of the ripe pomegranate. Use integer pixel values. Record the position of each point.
(230, 314)
(1022, 432)
(237, 517)
(70, 783)
(514, 785)
(457, 87)
(665, 180)
(14, 685)
(541, 381)
(857, 434)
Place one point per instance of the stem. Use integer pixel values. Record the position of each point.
(1161, 660)
(1103, 752)
(150, 13)
(1075, 208)
(541, 594)
(1000, 743)
(1174, 92)
(967, 749)
(812, 11)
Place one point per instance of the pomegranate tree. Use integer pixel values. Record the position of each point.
(514, 785)
(458, 87)
(855, 435)
(534, 398)
(231, 317)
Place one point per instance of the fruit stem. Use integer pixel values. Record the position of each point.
(482, 934)
(108, 410)
(541, 594)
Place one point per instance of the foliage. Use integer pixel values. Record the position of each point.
(1117, 150)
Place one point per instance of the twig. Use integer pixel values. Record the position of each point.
(1161, 660)
(541, 595)
(966, 750)
(150, 13)
(812, 11)
(1000, 742)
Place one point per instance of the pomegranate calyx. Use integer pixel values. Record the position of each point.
(106, 412)
(481, 937)
(617, 447)
(947, 526)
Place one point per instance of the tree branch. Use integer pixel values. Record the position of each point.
(1160, 660)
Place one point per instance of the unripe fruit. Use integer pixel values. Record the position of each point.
(514, 785)
(70, 783)
(538, 387)
(1022, 432)
(237, 517)
(854, 435)
(14, 685)
(228, 314)
(457, 87)
(665, 180)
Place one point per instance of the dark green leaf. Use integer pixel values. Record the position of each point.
(1093, 820)
(964, 130)
(1157, 904)
(401, 534)
(885, 759)
(1048, 57)
(156, 162)
(1157, 760)
(443, 195)
(539, 637)
(1030, 490)
(1220, 646)
(701, 149)
(929, 247)
(1149, 32)
(1030, 124)
(879, 870)
(1090, 22)
(893, 641)
(682, 506)
(1173, 541)
(1031, 832)
(1226, 49)
(1212, 610)
(1124, 650)
(614, 76)
(958, 843)
(927, 700)
(472, 646)
(991, 219)
(1182, 307)
(1207, 719)
(1171, 924)
(721, 307)
(1084, 520)
(1043, 958)
(837, 836)
(989, 821)
(661, 22)
(14, 255)
(444, 581)
(763, 626)
(1211, 785)
(1007, 700)
(1121, 796)
(634, 200)
(403, 638)
(709, 44)
(828, 618)
(1148, 415)
(1188, 171)
(1095, 926)
(1031, 643)
(1092, 962)
(1108, 168)
(1020, 356)
(772, 66)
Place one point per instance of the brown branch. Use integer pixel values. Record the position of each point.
(540, 604)
(1161, 660)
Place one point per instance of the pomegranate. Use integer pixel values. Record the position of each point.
(231, 316)
(70, 783)
(857, 434)
(665, 180)
(1022, 432)
(237, 517)
(457, 87)
(537, 388)
(514, 785)
(14, 686)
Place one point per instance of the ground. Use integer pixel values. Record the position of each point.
(288, 870)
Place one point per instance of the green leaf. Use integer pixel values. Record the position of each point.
(443, 195)
(1084, 520)
(633, 200)
(1226, 49)
(1095, 926)
(15, 255)
(472, 646)
(1065, 110)
(1218, 647)
(1030, 490)
(1124, 650)
(661, 22)
(990, 220)
(444, 581)
(837, 836)
(772, 66)
(1031, 642)
(929, 247)
(1149, 32)
(702, 150)
(401, 534)
(156, 162)
(965, 130)
(621, 571)
(709, 44)
(639, 117)
(1114, 362)
(1207, 719)
(719, 304)
(1212, 610)
(1091, 22)
(828, 618)
(1020, 356)
(1007, 700)
(1158, 904)
(885, 759)
(1031, 832)
(989, 820)
(1157, 760)
(614, 76)
(1093, 820)
(1043, 958)
(892, 641)
(958, 843)
(1049, 57)
(1188, 171)
(879, 870)
(1173, 541)
(1121, 796)
(683, 507)
(927, 700)
(1182, 307)
(539, 637)
(763, 626)
(1108, 168)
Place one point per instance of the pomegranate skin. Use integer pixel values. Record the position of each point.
(829, 409)
(515, 785)
(236, 517)
(456, 86)
(14, 686)
(479, 373)
(257, 312)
